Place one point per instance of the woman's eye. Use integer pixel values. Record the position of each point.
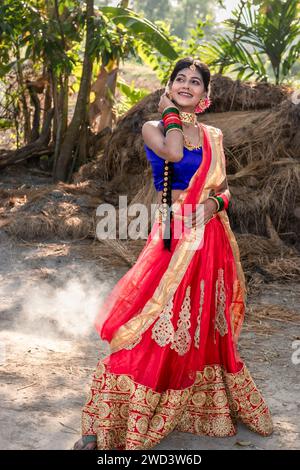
(179, 79)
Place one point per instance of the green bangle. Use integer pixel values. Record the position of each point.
(174, 125)
(221, 203)
(169, 110)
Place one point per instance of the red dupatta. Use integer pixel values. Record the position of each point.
(140, 295)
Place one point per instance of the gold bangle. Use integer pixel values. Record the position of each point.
(215, 199)
(174, 129)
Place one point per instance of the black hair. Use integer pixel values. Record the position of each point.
(168, 166)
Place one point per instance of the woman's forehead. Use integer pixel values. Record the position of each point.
(187, 72)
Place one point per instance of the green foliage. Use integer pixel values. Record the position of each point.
(35, 29)
(161, 64)
(263, 37)
(140, 29)
(5, 123)
(130, 96)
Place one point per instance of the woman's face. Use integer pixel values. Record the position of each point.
(189, 82)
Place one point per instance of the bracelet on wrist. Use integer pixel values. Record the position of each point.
(174, 129)
(216, 201)
(221, 203)
(171, 119)
(169, 109)
(224, 199)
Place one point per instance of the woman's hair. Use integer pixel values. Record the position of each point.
(168, 166)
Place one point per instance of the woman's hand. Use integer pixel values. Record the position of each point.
(164, 102)
(205, 211)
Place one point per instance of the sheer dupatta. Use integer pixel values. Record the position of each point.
(140, 295)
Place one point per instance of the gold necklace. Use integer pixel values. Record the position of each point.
(189, 118)
(189, 144)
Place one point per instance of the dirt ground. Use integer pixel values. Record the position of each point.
(49, 295)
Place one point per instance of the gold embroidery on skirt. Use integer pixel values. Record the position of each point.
(163, 329)
(220, 321)
(197, 332)
(182, 338)
(124, 414)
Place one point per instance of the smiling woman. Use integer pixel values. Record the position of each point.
(174, 319)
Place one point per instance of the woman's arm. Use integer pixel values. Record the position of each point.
(169, 147)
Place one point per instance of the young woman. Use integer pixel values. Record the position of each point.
(173, 320)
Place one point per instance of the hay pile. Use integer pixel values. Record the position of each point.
(234, 95)
(55, 211)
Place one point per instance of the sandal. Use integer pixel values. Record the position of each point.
(86, 443)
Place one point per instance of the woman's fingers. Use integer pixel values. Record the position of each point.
(200, 216)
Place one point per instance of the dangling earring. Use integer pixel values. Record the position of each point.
(203, 104)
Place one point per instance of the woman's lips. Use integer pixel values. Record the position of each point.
(187, 95)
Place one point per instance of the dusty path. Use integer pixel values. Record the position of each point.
(49, 294)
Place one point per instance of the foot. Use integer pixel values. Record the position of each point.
(86, 443)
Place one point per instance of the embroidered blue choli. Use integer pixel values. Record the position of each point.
(183, 170)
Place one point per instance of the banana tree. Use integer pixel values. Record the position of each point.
(121, 32)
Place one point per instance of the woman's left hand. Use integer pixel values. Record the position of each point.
(165, 102)
(207, 212)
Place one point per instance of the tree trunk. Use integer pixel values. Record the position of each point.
(23, 96)
(47, 102)
(61, 116)
(102, 104)
(34, 149)
(104, 87)
(70, 141)
(35, 131)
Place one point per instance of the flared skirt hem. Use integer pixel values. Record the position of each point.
(126, 415)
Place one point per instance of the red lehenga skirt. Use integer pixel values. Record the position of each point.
(174, 363)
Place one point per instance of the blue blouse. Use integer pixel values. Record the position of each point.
(183, 170)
